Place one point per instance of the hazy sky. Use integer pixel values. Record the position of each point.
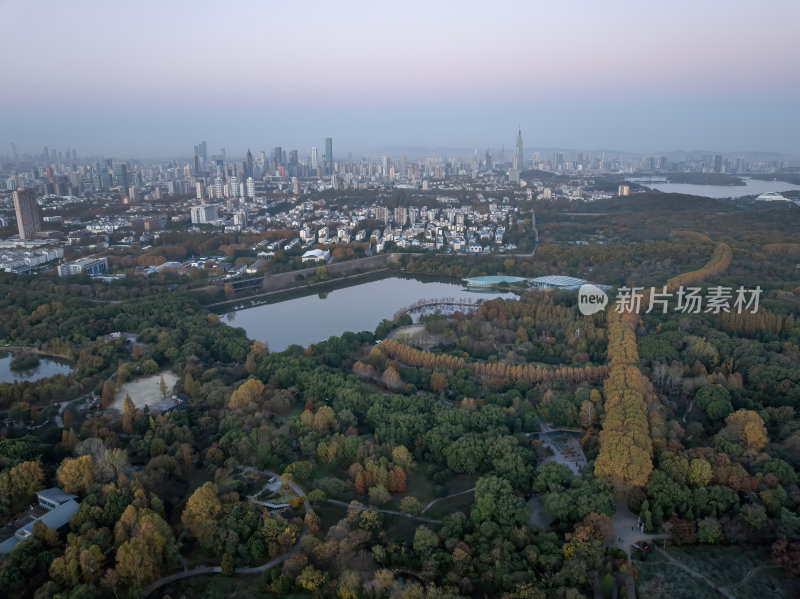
(156, 77)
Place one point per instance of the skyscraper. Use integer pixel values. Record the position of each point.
(329, 154)
(248, 165)
(518, 160)
(121, 175)
(519, 163)
(27, 212)
(314, 162)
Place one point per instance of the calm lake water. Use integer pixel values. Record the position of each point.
(312, 318)
(752, 187)
(47, 367)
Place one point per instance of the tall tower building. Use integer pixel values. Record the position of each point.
(248, 165)
(27, 211)
(519, 163)
(329, 153)
(314, 161)
(121, 175)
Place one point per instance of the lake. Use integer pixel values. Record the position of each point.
(47, 367)
(752, 187)
(309, 319)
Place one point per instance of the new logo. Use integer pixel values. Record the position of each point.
(591, 299)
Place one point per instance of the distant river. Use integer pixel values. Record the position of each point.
(312, 318)
(47, 367)
(752, 187)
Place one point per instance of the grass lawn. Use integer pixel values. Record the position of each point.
(401, 530)
(216, 586)
(658, 578)
(144, 390)
(462, 503)
(723, 565)
(330, 513)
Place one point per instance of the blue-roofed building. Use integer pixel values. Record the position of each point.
(557, 282)
(493, 281)
(53, 519)
(53, 497)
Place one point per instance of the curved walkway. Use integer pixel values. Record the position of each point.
(425, 509)
(200, 570)
(734, 586)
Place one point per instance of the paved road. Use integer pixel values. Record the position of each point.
(201, 570)
(626, 528)
(390, 512)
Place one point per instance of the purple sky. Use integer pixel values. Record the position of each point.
(154, 78)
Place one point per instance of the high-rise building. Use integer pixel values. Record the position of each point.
(400, 216)
(519, 163)
(233, 187)
(219, 187)
(329, 154)
(314, 161)
(203, 214)
(718, 163)
(201, 151)
(27, 210)
(121, 175)
(250, 184)
(277, 155)
(248, 165)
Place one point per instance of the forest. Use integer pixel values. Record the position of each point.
(378, 464)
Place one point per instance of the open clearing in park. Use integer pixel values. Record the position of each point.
(144, 391)
(726, 566)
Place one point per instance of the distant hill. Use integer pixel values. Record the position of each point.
(654, 202)
(705, 179)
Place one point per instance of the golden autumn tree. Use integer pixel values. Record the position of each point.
(76, 475)
(247, 395)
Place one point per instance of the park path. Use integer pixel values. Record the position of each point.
(626, 528)
(361, 508)
(721, 590)
(200, 570)
(734, 586)
(686, 413)
(425, 509)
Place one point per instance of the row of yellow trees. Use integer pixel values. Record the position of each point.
(626, 447)
(749, 323)
(719, 262)
(496, 371)
(626, 450)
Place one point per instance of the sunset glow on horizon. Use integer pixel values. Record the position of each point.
(437, 73)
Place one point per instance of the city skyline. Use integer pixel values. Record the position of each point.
(615, 76)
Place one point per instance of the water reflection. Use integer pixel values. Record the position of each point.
(312, 318)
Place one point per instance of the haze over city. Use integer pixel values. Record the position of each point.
(154, 78)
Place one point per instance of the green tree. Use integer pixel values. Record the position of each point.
(425, 541)
(494, 501)
(227, 564)
(715, 401)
